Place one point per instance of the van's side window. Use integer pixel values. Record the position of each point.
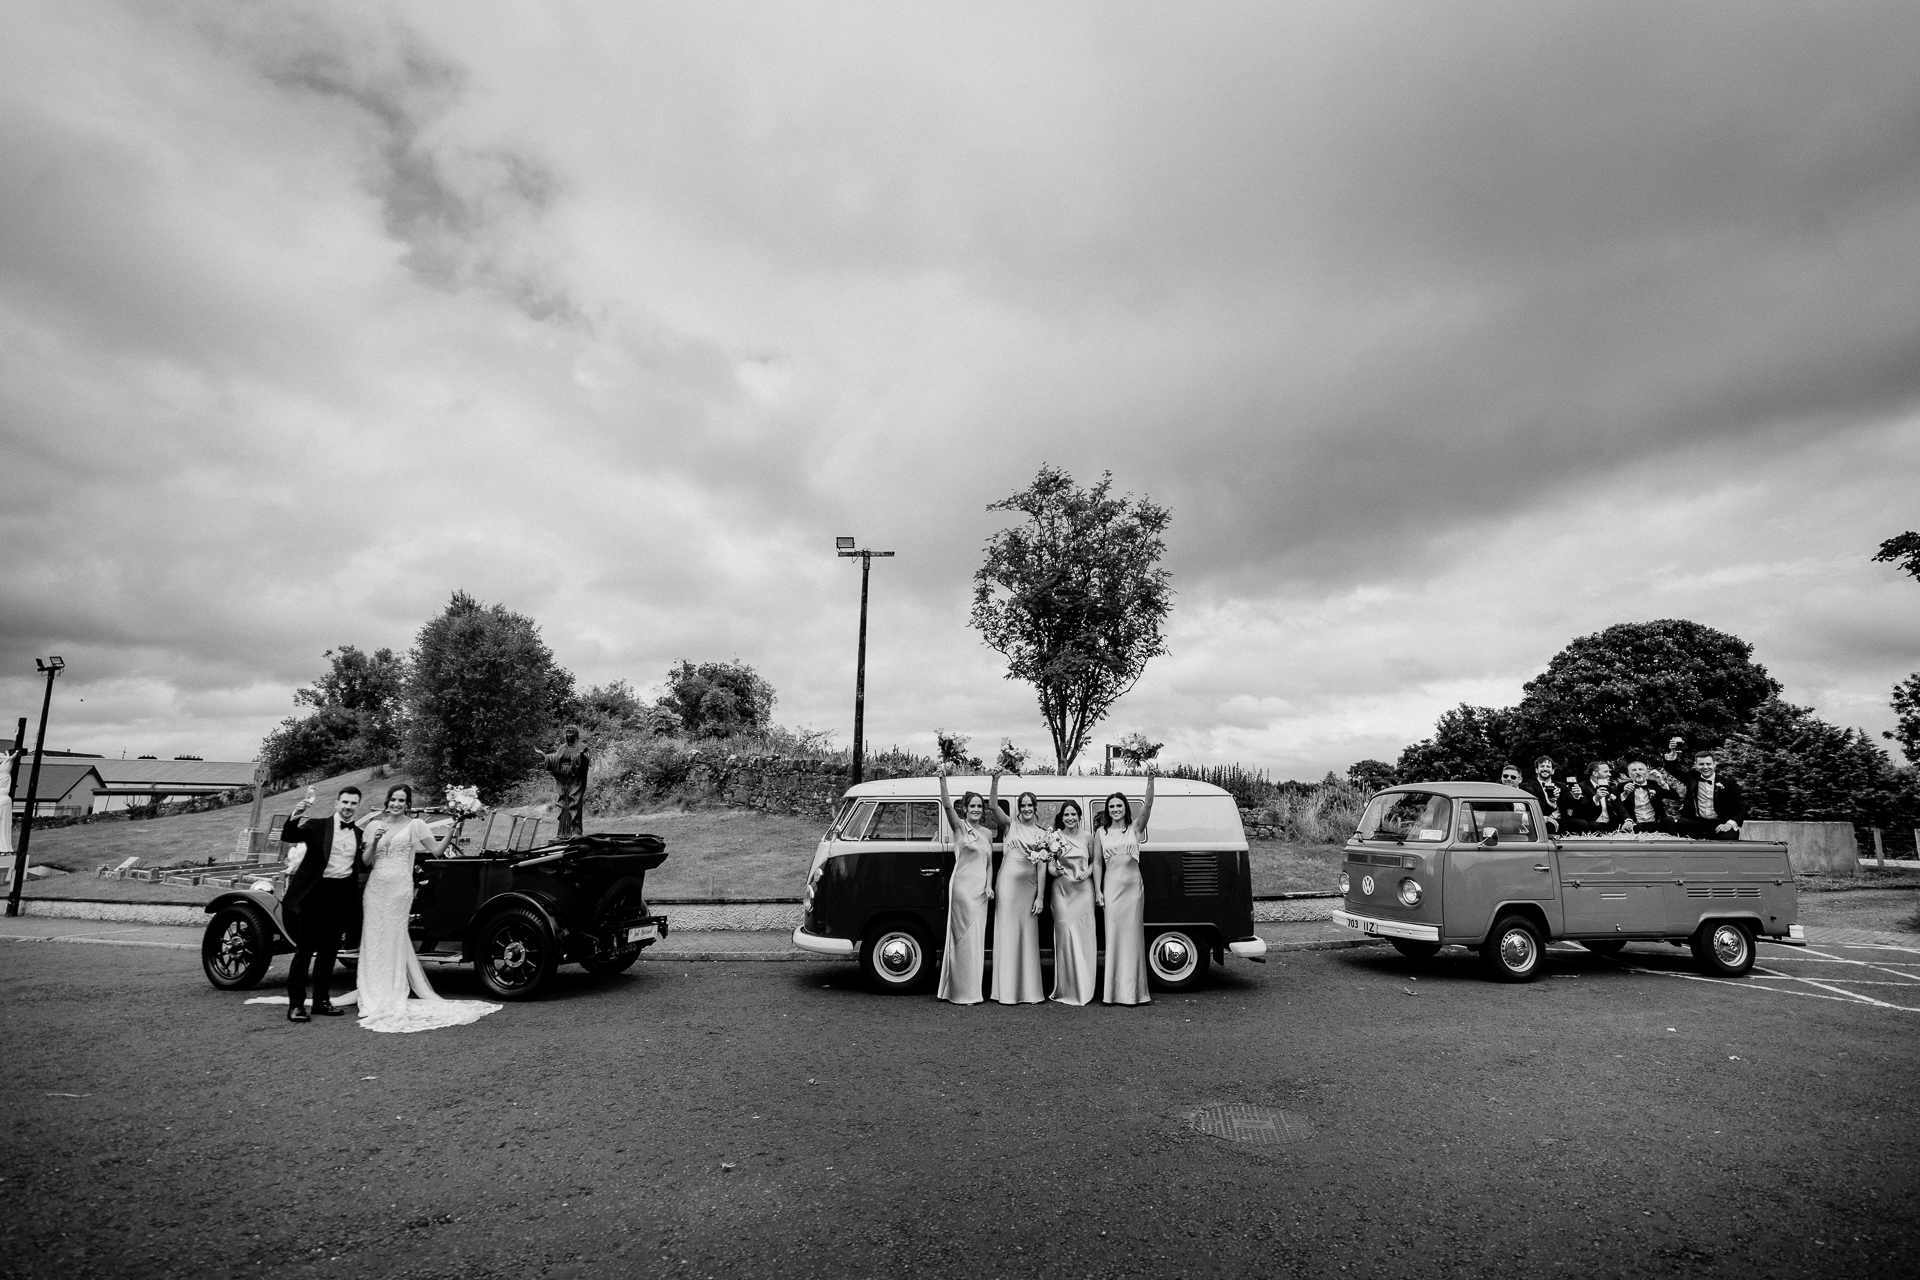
(853, 823)
(905, 820)
(1509, 819)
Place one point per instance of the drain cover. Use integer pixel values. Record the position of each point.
(1244, 1122)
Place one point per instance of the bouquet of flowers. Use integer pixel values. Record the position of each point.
(1053, 847)
(463, 803)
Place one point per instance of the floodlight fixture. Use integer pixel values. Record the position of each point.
(843, 544)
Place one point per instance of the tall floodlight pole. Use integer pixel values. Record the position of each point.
(52, 666)
(844, 546)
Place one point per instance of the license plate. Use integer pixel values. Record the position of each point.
(643, 932)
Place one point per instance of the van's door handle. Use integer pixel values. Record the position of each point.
(1541, 866)
(929, 871)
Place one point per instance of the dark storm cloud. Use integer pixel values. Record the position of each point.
(617, 313)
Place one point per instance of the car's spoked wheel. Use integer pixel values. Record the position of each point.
(516, 954)
(237, 947)
(1175, 961)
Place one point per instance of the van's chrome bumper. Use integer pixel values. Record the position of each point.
(1386, 928)
(1249, 948)
(842, 947)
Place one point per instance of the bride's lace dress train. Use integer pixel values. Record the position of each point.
(389, 971)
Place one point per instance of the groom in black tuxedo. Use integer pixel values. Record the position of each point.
(323, 899)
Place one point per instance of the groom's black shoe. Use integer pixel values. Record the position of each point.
(297, 1013)
(325, 1009)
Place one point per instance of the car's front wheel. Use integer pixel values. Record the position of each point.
(516, 954)
(1175, 961)
(237, 947)
(897, 958)
(1723, 949)
(1514, 950)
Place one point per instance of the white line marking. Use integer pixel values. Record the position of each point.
(1862, 963)
(1844, 998)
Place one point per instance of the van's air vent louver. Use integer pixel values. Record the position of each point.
(1200, 874)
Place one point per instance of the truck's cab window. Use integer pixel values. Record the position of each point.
(1508, 819)
(1402, 816)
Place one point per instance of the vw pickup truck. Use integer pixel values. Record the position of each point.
(1437, 864)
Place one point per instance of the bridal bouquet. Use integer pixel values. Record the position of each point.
(464, 802)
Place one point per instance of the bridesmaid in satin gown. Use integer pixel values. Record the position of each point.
(964, 962)
(1020, 893)
(1076, 943)
(1124, 895)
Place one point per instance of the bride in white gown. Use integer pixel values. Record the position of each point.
(388, 968)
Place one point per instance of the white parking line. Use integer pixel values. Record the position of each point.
(1844, 996)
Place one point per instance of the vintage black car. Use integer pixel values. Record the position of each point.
(514, 916)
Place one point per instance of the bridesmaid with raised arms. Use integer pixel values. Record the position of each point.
(1076, 881)
(1117, 843)
(963, 965)
(1020, 895)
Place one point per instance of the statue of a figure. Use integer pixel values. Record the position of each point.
(568, 766)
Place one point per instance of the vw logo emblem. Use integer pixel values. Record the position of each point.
(1366, 884)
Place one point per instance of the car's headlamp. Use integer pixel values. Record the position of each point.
(1410, 892)
(1343, 883)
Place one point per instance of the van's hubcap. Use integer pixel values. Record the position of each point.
(1730, 945)
(898, 956)
(1173, 957)
(1517, 951)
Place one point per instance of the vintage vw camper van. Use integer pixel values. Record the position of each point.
(878, 886)
(1439, 863)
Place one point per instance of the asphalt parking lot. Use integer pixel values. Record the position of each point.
(774, 1119)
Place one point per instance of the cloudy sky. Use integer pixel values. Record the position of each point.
(1447, 332)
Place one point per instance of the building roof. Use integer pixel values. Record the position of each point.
(203, 774)
(60, 780)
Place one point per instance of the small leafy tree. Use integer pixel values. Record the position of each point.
(1074, 598)
(1793, 765)
(358, 705)
(1902, 550)
(1370, 775)
(718, 699)
(1469, 744)
(484, 697)
(608, 710)
(1011, 759)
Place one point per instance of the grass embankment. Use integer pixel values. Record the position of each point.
(712, 852)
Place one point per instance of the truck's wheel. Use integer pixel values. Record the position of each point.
(237, 947)
(1415, 950)
(516, 954)
(1175, 961)
(1513, 951)
(1723, 949)
(897, 958)
(1604, 946)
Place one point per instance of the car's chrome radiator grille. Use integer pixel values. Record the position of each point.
(1723, 891)
(1200, 874)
